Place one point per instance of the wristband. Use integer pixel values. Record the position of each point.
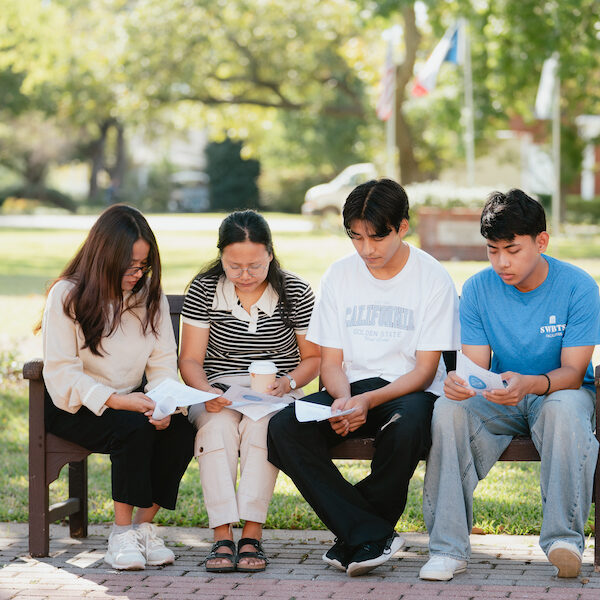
(549, 384)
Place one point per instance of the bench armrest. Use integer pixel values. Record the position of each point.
(32, 369)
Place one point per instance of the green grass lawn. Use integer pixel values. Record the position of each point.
(507, 500)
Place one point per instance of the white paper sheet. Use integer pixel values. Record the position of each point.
(475, 377)
(309, 411)
(169, 395)
(253, 404)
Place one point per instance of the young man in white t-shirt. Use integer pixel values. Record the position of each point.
(384, 315)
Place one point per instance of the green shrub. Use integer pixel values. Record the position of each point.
(283, 191)
(232, 179)
(582, 211)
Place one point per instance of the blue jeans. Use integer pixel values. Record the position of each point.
(468, 437)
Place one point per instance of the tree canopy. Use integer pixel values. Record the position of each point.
(296, 80)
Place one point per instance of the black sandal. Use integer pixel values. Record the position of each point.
(214, 554)
(258, 554)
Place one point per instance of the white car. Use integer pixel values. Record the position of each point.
(329, 198)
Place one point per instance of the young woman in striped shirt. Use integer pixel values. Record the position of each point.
(243, 307)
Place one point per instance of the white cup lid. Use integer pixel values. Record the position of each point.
(262, 367)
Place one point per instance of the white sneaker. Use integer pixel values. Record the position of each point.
(153, 547)
(125, 551)
(442, 568)
(566, 558)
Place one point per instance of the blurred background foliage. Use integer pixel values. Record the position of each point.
(106, 87)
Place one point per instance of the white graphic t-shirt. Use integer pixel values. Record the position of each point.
(381, 323)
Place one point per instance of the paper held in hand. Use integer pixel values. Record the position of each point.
(309, 411)
(476, 377)
(251, 403)
(169, 395)
(242, 396)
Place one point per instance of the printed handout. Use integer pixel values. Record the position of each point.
(253, 404)
(476, 377)
(169, 395)
(309, 411)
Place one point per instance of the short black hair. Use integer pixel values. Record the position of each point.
(383, 203)
(515, 213)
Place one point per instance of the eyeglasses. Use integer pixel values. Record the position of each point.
(253, 270)
(135, 270)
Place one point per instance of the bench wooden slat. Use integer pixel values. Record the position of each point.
(520, 449)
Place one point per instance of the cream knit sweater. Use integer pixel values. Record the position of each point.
(75, 377)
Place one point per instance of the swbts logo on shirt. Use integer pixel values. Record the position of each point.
(553, 329)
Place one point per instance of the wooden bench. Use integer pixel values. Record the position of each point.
(48, 454)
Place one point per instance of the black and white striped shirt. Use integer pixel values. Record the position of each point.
(236, 338)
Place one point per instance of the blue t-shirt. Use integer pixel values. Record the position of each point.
(527, 330)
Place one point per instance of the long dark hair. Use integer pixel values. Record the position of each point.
(96, 300)
(248, 225)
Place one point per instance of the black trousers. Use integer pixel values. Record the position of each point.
(147, 465)
(369, 510)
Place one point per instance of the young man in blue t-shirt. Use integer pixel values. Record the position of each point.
(534, 320)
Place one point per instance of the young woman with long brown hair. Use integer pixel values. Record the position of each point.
(106, 324)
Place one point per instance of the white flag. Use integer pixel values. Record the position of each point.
(385, 104)
(545, 93)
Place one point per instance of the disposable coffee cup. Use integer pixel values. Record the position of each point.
(262, 374)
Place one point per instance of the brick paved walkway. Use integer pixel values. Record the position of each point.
(502, 567)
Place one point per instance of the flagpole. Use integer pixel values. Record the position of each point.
(390, 138)
(556, 152)
(469, 113)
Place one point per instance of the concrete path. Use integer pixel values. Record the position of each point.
(502, 567)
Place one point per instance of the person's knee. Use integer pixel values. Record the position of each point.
(564, 410)
(281, 423)
(132, 423)
(224, 423)
(448, 413)
(132, 433)
(398, 436)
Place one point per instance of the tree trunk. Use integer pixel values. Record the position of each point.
(409, 168)
(118, 171)
(98, 148)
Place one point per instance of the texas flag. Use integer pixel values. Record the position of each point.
(449, 49)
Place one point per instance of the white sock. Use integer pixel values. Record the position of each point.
(117, 529)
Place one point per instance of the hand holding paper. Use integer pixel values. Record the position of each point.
(251, 403)
(309, 411)
(169, 395)
(475, 377)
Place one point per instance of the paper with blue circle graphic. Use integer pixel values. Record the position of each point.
(476, 377)
(253, 404)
